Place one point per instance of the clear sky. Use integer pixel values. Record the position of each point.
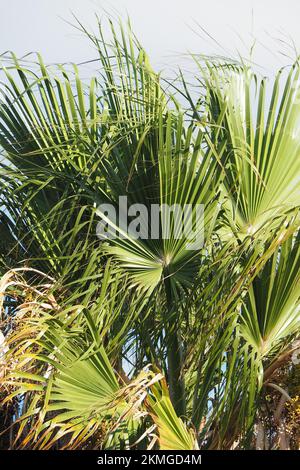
(167, 28)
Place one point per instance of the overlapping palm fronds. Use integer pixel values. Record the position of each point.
(260, 124)
(271, 310)
(70, 392)
(216, 323)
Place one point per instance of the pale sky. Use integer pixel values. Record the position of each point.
(167, 28)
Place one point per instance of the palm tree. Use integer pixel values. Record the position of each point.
(143, 342)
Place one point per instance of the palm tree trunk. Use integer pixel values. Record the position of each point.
(260, 436)
(176, 382)
(174, 356)
(283, 440)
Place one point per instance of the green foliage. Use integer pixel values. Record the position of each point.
(141, 343)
